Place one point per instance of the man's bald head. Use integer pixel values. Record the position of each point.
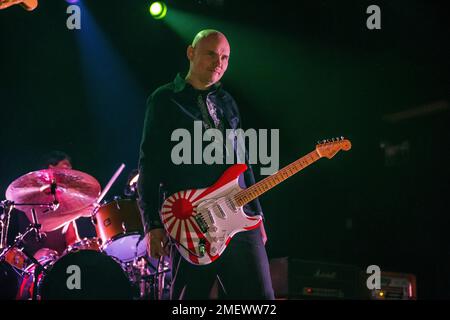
(208, 56)
(204, 34)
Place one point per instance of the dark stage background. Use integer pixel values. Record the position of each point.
(311, 69)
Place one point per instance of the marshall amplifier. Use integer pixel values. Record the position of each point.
(301, 279)
(396, 286)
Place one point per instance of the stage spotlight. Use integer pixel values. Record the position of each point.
(158, 10)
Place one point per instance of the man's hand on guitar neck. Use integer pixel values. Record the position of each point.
(26, 4)
(157, 241)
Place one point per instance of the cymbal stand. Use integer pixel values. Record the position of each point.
(4, 223)
(7, 206)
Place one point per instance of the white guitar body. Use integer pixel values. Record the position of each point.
(203, 221)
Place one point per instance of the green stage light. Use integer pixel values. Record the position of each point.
(158, 10)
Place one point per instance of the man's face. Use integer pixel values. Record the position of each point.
(209, 59)
(63, 164)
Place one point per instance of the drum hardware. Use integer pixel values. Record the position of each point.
(7, 206)
(4, 222)
(163, 269)
(50, 198)
(131, 186)
(58, 196)
(148, 278)
(18, 243)
(35, 227)
(140, 274)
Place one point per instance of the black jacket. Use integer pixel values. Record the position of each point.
(171, 107)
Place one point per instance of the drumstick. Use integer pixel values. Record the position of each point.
(110, 183)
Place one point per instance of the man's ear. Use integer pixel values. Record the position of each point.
(190, 53)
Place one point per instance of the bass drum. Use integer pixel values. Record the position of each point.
(85, 275)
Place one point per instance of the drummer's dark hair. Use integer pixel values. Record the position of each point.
(53, 157)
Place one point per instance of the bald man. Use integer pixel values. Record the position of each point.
(242, 272)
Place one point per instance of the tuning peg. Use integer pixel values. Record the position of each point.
(318, 142)
(342, 138)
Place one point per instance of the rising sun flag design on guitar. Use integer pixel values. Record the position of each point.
(202, 221)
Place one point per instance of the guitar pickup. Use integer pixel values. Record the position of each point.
(222, 214)
(201, 223)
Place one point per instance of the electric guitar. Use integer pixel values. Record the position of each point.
(202, 221)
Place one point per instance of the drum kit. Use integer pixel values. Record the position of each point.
(112, 265)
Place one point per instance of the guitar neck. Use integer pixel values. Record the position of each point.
(247, 195)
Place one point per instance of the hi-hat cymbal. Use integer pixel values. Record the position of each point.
(75, 192)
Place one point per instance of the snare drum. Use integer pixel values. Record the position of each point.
(16, 258)
(119, 226)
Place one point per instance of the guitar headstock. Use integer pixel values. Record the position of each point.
(328, 148)
(26, 4)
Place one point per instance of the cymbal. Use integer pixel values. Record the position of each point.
(76, 191)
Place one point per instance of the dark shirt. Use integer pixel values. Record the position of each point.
(170, 107)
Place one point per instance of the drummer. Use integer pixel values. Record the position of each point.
(58, 239)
